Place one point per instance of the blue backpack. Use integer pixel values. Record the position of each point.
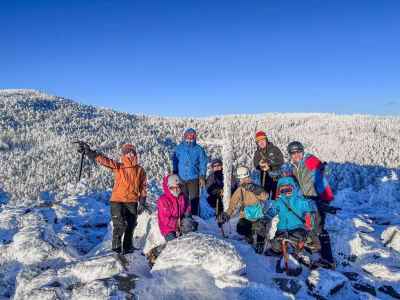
(253, 212)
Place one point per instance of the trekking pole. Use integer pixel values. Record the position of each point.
(81, 166)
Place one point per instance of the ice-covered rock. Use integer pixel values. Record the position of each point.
(391, 237)
(325, 283)
(32, 282)
(216, 256)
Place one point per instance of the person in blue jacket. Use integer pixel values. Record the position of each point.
(189, 162)
(294, 211)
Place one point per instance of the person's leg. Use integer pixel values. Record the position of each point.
(244, 227)
(260, 228)
(130, 215)
(194, 197)
(119, 226)
(324, 239)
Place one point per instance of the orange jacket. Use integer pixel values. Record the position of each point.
(130, 181)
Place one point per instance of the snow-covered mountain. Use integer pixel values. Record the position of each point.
(54, 232)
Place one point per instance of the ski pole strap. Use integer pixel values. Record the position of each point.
(292, 211)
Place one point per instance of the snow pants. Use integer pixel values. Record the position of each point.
(124, 216)
(192, 192)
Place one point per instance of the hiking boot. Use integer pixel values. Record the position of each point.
(117, 250)
(326, 264)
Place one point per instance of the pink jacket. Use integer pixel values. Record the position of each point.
(170, 209)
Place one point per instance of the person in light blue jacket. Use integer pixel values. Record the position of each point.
(189, 162)
(294, 211)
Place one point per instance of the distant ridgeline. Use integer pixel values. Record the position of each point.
(37, 131)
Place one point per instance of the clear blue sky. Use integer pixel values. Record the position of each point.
(199, 58)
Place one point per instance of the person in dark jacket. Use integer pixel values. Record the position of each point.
(215, 188)
(189, 162)
(268, 159)
(309, 173)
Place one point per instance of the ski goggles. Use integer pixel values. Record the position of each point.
(190, 136)
(285, 189)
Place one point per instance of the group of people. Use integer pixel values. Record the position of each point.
(297, 192)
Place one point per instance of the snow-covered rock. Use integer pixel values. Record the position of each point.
(325, 283)
(391, 237)
(33, 282)
(213, 255)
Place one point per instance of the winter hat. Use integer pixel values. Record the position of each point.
(261, 135)
(128, 148)
(190, 133)
(242, 172)
(173, 181)
(216, 161)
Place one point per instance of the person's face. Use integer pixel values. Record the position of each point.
(262, 143)
(297, 156)
(190, 137)
(217, 167)
(175, 190)
(286, 190)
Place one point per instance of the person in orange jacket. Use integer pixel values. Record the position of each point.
(128, 196)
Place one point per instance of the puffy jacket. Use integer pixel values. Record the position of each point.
(130, 181)
(189, 161)
(170, 209)
(272, 154)
(310, 176)
(245, 195)
(300, 205)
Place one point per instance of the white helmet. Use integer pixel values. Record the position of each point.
(242, 172)
(173, 181)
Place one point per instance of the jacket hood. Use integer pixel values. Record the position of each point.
(289, 181)
(129, 162)
(166, 189)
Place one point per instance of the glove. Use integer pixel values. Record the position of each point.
(202, 182)
(142, 205)
(85, 148)
(225, 217)
(308, 223)
(188, 225)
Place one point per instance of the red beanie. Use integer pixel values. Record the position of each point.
(260, 135)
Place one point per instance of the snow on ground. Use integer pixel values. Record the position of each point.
(55, 234)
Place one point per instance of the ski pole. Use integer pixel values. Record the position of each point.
(81, 166)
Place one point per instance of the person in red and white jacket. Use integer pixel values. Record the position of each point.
(309, 173)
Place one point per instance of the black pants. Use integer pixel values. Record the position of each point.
(323, 236)
(124, 217)
(192, 192)
(269, 184)
(248, 228)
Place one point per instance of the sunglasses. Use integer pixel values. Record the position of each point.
(286, 190)
(217, 166)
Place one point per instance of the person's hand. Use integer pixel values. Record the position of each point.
(202, 182)
(188, 225)
(83, 147)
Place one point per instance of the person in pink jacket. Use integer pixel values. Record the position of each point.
(173, 210)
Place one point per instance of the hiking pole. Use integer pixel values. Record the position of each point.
(81, 166)
(218, 215)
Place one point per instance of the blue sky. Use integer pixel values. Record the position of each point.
(199, 58)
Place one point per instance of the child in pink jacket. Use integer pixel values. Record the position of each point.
(174, 213)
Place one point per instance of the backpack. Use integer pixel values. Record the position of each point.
(252, 212)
